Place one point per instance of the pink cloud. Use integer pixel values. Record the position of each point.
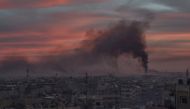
(6, 4)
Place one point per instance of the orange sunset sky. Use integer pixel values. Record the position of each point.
(37, 28)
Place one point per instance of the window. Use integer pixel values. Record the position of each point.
(183, 100)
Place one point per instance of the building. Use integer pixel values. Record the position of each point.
(179, 95)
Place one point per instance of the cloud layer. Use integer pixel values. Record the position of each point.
(40, 28)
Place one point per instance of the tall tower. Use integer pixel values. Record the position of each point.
(86, 105)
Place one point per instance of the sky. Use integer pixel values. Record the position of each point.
(39, 28)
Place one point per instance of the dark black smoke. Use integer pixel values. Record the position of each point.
(123, 38)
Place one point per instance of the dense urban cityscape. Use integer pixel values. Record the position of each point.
(90, 92)
(94, 54)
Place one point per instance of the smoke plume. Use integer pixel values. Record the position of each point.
(125, 37)
(122, 38)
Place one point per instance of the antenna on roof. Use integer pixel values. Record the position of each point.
(27, 74)
(187, 73)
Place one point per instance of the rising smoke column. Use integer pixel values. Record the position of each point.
(123, 38)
